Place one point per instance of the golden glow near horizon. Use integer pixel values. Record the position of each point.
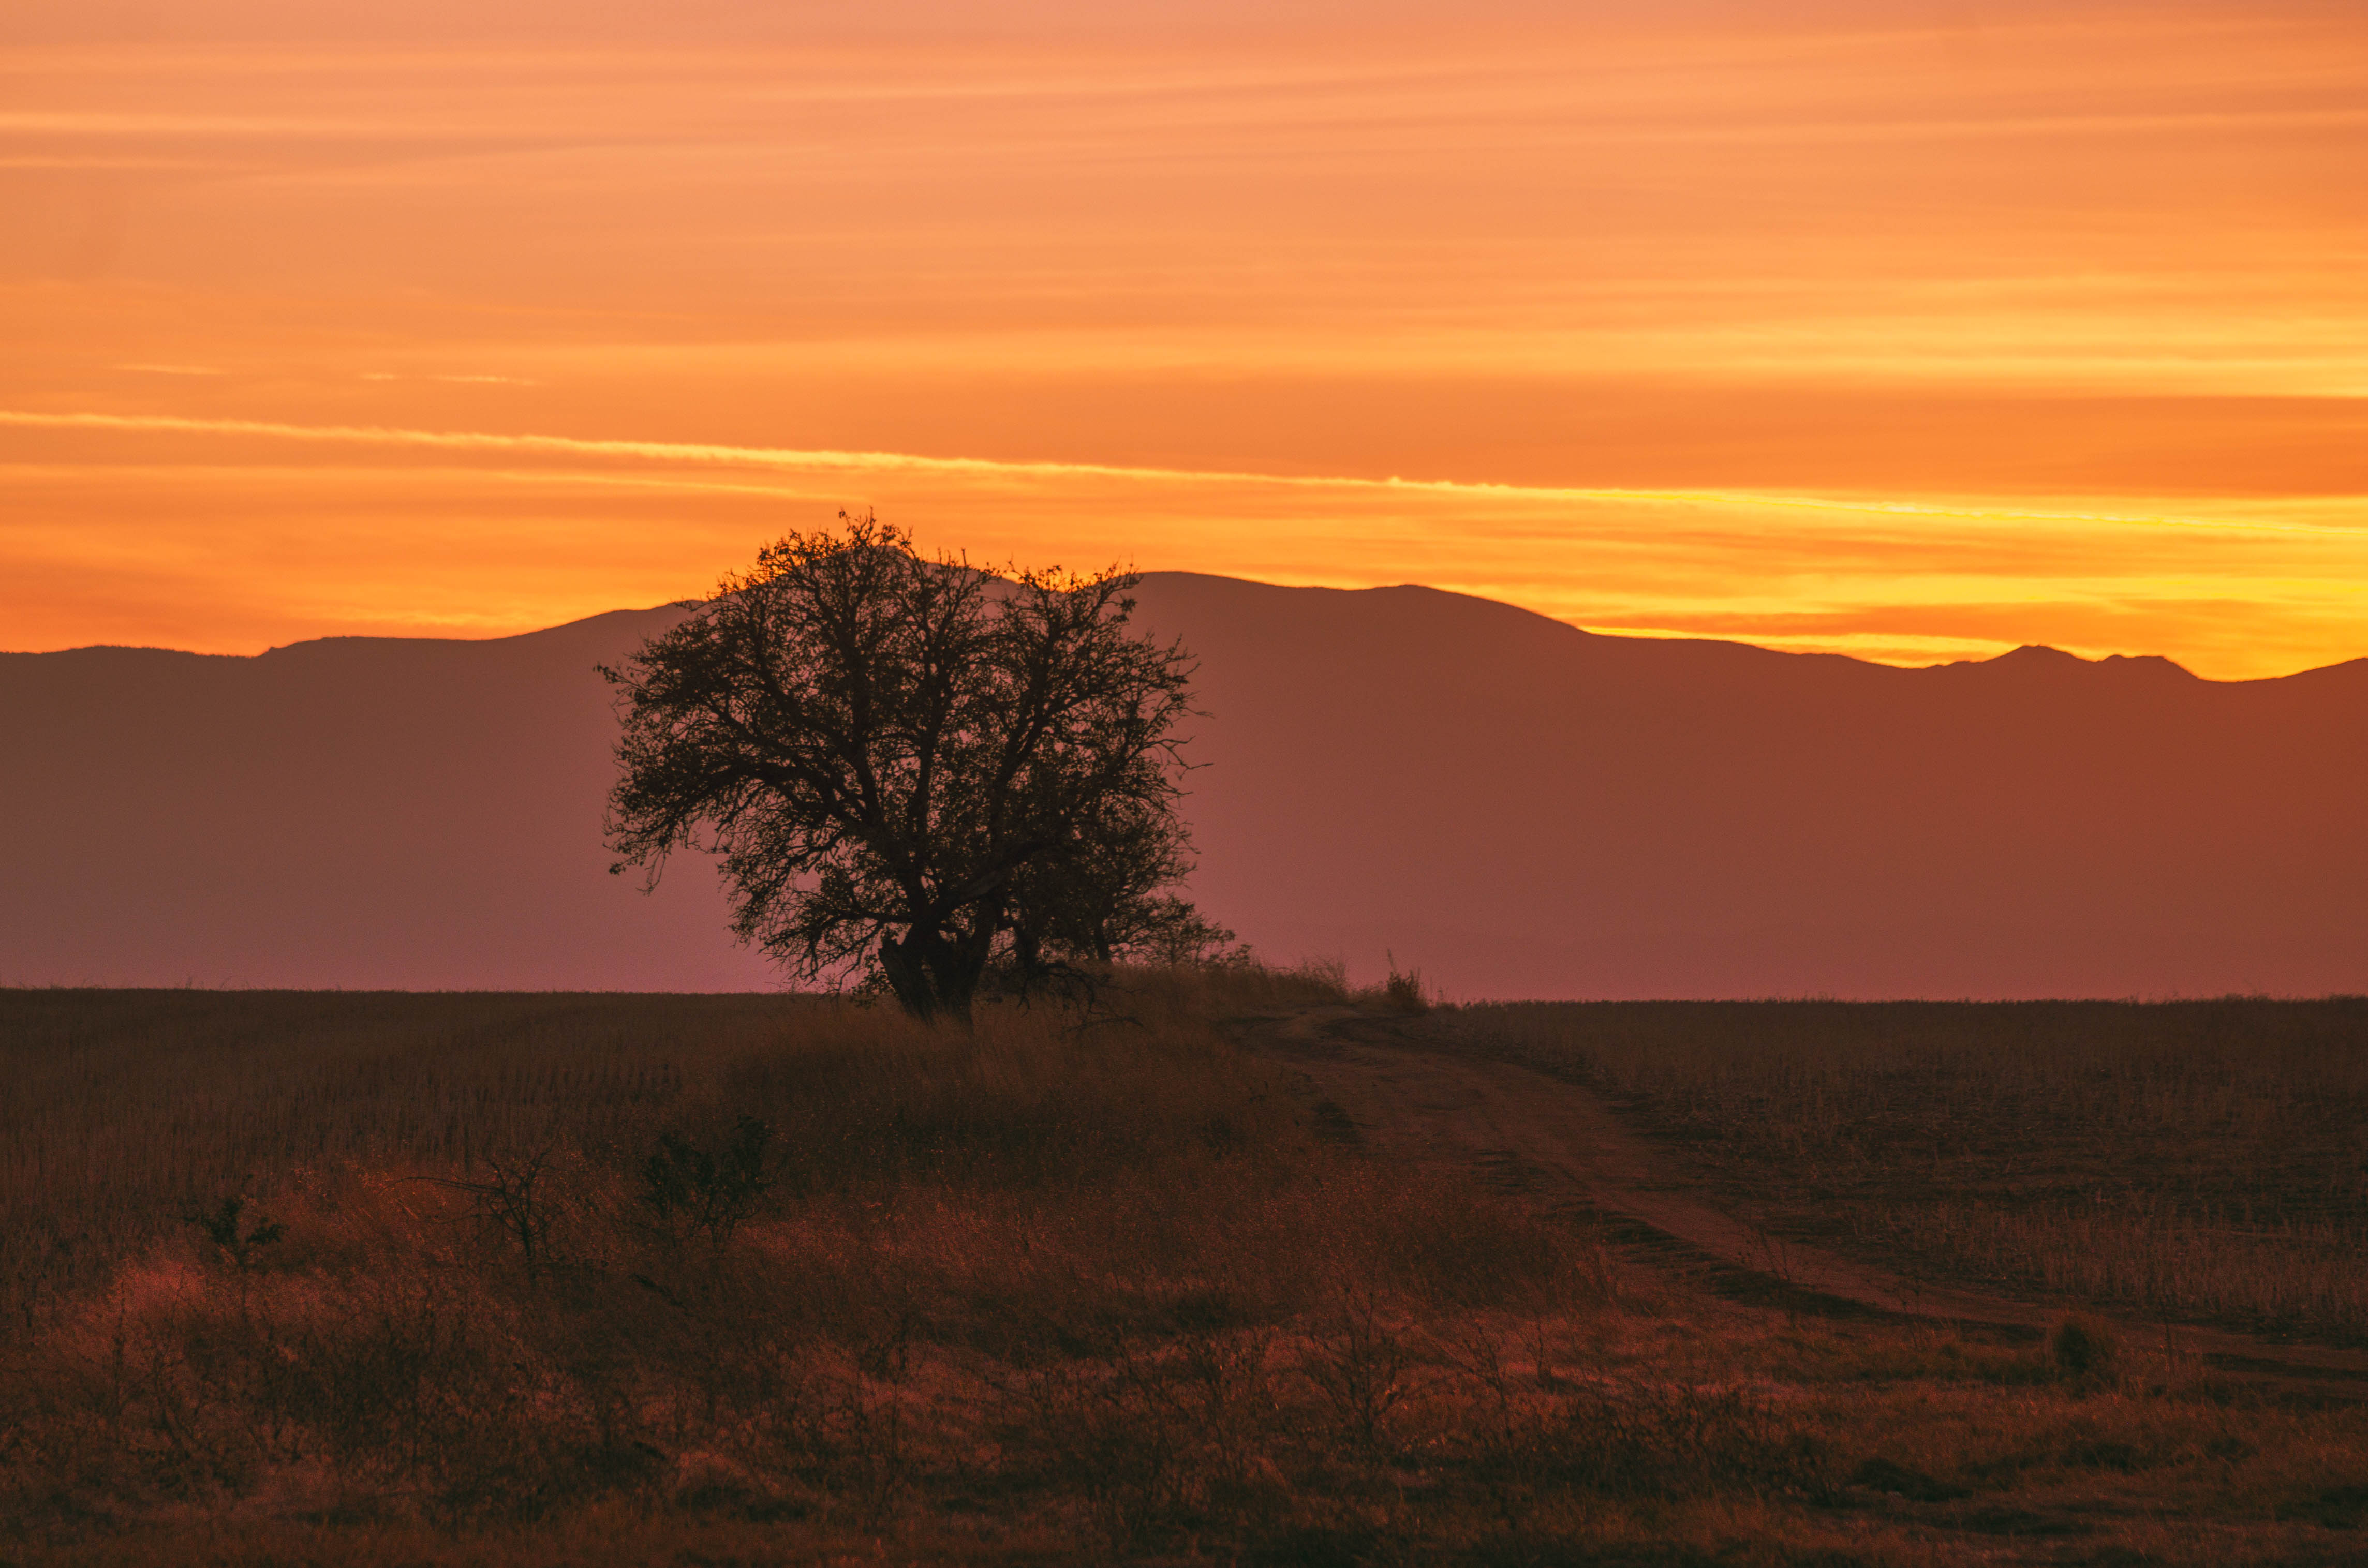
(1871, 333)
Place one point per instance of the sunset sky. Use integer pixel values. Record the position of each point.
(1916, 331)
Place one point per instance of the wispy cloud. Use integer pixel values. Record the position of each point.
(455, 380)
(811, 460)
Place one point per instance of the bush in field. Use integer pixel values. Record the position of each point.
(1402, 991)
(2082, 1346)
(697, 1193)
(517, 1198)
(223, 1226)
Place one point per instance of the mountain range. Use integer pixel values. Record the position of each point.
(1514, 807)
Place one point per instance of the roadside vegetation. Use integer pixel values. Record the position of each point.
(376, 1279)
(2199, 1160)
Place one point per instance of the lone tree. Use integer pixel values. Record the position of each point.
(914, 769)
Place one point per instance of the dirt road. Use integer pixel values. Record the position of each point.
(1411, 1096)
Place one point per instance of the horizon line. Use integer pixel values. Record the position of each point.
(1620, 633)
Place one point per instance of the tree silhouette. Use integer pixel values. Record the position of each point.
(911, 768)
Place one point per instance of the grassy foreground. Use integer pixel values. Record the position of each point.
(517, 1279)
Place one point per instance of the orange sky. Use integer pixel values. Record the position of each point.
(1916, 331)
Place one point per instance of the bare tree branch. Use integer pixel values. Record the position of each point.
(912, 769)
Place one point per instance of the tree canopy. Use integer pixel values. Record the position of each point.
(913, 770)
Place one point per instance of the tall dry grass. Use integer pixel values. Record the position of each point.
(2196, 1159)
(1067, 1288)
(378, 1256)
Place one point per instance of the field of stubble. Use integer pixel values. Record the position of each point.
(2204, 1162)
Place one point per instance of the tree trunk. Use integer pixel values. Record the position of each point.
(934, 977)
(908, 978)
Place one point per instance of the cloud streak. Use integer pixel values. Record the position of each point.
(824, 460)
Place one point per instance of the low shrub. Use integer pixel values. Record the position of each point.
(2083, 1346)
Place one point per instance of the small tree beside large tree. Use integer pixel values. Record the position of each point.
(916, 770)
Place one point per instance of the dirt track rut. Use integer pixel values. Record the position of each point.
(1413, 1096)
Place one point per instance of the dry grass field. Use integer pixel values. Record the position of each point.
(2198, 1161)
(708, 1281)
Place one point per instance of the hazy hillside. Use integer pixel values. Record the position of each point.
(1517, 807)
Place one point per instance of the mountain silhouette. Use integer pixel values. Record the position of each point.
(1518, 808)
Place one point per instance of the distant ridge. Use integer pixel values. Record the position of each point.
(1519, 807)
